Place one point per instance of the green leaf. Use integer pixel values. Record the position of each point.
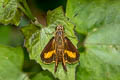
(100, 21)
(43, 75)
(55, 15)
(38, 40)
(29, 30)
(87, 15)
(9, 13)
(10, 35)
(102, 58)
(11, 62)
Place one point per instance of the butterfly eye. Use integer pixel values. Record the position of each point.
(58, 28)
(61, 28)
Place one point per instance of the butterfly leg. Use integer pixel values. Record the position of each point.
(63, 63)
(56, 63)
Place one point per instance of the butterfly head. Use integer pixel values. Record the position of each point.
(59, 30)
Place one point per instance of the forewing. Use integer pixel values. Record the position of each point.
(71, 54)
(48, 53)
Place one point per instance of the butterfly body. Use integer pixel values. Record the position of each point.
(60, 49)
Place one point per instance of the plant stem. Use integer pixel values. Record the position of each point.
(26, 9)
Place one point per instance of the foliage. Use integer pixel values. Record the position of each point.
(92, 26)
(100, 21)
(8, 64)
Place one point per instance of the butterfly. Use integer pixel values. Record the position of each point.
(60, 49)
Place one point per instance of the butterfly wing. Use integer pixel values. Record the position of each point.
(71, 54)
(48, 53)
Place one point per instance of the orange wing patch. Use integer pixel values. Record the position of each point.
(70, 54)
(49, 54)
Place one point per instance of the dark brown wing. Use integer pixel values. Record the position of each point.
(48, 53)
(71, 54)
